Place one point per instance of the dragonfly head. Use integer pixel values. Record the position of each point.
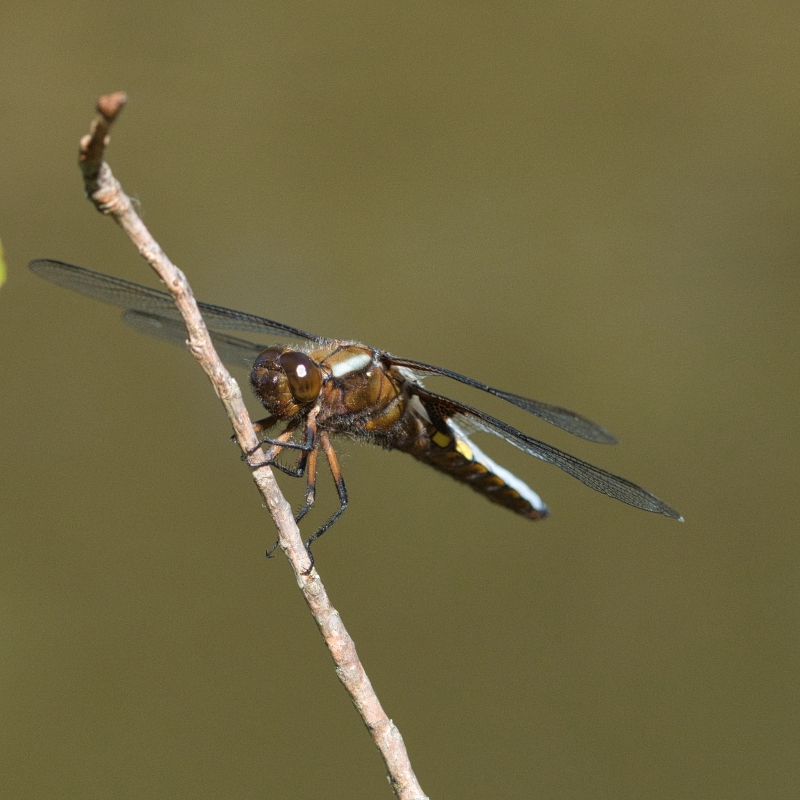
(285, 380)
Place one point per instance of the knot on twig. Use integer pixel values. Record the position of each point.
(109, 197)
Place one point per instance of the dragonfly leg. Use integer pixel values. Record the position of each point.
(284, 445)
(336, 472)
(281, 443)
(311, 486)
(307, 461)
(271, 551)
(259, 427)
(310, 453)
(276, 447)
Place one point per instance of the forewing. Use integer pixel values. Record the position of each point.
(560, 417)
(133, 296)
(232, 350)
(594, 477)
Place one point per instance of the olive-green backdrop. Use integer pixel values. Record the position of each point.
(594, 204)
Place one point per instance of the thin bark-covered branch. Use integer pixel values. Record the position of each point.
(106, 193)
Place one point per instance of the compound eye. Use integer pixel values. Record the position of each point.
(269, 359)
(304, 376)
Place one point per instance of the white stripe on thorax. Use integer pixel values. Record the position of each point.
(351, 364)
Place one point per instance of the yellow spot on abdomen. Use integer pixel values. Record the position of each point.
(442, 439)
(464, 449)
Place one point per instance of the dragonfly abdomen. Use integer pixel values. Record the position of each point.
(460, 458)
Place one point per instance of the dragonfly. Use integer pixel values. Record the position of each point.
(318, 387)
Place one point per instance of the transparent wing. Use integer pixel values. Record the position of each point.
(128, 295)
(232, 350)
(594, 477)
(562, 418)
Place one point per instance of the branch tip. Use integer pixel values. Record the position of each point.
(93, 144)
(109, 105)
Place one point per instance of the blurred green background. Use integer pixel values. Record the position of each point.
(592, 204)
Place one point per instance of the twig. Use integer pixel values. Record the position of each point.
(105, 192)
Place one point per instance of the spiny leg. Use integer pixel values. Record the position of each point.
(269, 460)
(259, 427)
(308, 460)
(336, 472)
(311, 484)
(281, 443)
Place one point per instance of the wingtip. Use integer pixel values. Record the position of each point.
(609, 438)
